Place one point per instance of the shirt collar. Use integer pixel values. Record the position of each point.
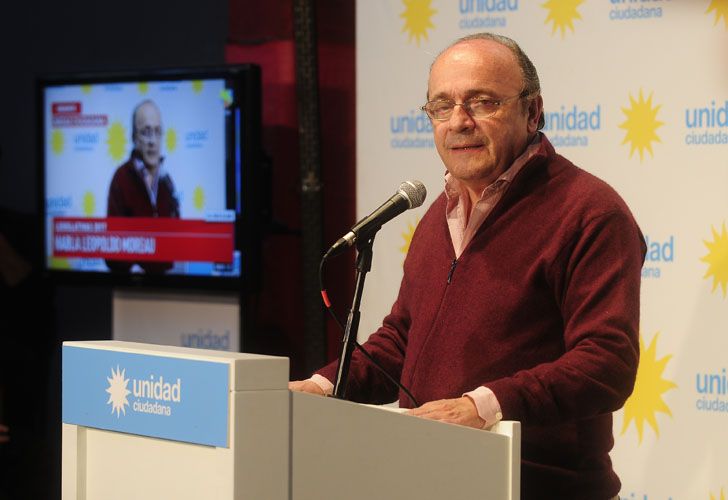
(139, 166)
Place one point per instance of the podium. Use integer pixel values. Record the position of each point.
(344, 450)
(146, 422)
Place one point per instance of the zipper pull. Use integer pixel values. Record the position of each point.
(452, 270)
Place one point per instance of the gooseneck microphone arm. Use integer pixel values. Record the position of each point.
(363, 266)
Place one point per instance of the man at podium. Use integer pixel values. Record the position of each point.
(520, 295)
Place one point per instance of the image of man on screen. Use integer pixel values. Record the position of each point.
(141, 187)
(520, 294)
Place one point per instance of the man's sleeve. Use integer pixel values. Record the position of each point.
(114, 203)
(596, 281)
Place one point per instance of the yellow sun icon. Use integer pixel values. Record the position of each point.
(562, 14)
(227, 97)
(143, 87)
(722, 495)
(57, 141)
(417, 17)
(641, 125)
(116, 141)
(721, 10)
(171, 140)
(86, 89)
(89, 204)
(407, 236)
(59, 263)
(646, 400)
(198, 198)
(197, 86)
(717, 259)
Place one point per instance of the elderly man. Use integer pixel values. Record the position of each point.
(520, 295)
(141, 187)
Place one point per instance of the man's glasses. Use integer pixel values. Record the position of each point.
(477, 107)
(150, 132)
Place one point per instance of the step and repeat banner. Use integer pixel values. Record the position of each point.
(635, 92)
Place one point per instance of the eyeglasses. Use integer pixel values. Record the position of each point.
(477, 107)
(150, 132)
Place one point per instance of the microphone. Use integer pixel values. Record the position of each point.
(411, 194)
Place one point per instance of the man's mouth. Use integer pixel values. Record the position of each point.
(466, 147)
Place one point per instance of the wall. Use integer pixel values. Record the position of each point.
(625, 84)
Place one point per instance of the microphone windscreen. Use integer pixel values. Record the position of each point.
(414, 191)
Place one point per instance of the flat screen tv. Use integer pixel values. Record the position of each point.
(152, 178)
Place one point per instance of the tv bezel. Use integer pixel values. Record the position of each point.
(246, 81)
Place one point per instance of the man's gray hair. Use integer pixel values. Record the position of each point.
(531, 83)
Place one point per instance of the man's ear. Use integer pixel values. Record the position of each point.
(535, 110)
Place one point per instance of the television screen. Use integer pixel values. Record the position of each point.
(148, 178)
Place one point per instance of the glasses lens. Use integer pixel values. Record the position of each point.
(482, 108)
(439, 109)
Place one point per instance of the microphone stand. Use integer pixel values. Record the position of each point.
(363, 266)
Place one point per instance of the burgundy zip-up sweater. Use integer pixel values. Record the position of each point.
(128, 197)
(542, 307)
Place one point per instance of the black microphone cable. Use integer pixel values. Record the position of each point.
(361, 349)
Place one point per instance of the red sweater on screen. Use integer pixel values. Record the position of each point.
(129, 197)
(542, 307)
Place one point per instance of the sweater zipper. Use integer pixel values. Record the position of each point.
(452, 270)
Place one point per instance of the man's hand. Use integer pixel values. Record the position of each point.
(305, 386)
(461, 411)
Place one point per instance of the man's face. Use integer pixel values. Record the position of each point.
(148, 135)
(477, 151)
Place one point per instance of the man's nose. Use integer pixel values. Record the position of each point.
(460, 119)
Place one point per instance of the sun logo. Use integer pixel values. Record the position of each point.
(721, 10)
(197, 86)
(417, 17)
(722, 495)
(143, 87)
(562, 14)
(59, 263)
(116, 141)
(646, 399)
(118, 391)
(58, 141)
(407, 236)
(641, 125)
(227, 97)
(717, 259)
(198, 198)
(89, 204)
(86, 89)
(170, 140)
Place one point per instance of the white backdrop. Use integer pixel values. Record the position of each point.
(635, 92)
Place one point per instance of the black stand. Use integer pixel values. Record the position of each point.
(363, 266)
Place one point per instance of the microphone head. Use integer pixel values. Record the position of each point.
(414, 191)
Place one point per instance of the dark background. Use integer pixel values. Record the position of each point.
(40, 37)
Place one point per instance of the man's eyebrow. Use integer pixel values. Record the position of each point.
(469, 94)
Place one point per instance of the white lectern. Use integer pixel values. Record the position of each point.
(344, 450)
(147, 422)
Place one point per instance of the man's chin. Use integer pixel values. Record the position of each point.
(151, 162)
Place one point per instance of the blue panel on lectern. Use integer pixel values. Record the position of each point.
(169, 398)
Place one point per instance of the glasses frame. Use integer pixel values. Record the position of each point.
(468, 102)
